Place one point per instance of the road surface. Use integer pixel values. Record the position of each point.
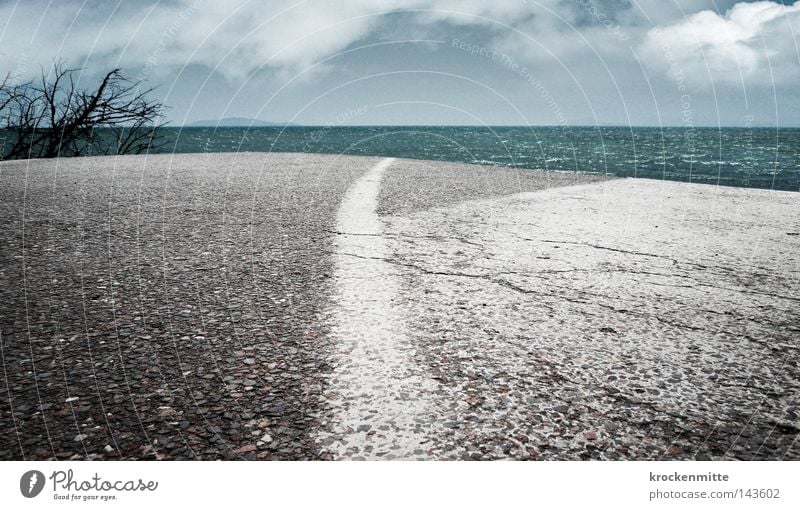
(290, 306)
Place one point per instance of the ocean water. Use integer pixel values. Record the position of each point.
(751, 157)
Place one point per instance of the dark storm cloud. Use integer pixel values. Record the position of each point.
(608, 55)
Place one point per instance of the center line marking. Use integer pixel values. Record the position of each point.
(380, 397)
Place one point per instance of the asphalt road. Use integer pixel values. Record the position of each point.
(290, 306)
(173, 306)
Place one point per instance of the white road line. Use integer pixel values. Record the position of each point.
(380, 396)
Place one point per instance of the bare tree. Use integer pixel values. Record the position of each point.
(51, 117)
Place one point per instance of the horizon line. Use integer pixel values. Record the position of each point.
(331, 126)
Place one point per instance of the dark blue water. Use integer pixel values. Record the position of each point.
(751, 157)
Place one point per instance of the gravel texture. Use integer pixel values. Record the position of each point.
(416, 185)
(163, 307)
(288, 306)
(629, 319)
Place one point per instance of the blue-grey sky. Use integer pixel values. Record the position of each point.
(546, 62)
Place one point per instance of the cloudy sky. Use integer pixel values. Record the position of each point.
(501, 62)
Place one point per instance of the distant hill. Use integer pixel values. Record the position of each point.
(237, 122)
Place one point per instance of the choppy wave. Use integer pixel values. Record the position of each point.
(762, 158)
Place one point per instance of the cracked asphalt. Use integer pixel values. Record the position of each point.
(627, 319)
(194, 307)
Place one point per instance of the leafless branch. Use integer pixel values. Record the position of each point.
(52, 117)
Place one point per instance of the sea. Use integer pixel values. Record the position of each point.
(766, 158)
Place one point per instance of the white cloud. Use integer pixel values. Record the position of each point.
(238, 37)
(234, 36)
(739, 46)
